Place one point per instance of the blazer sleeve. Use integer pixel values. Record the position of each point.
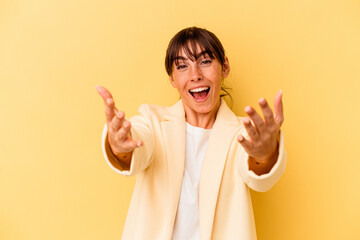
(142, 156)
(263, 182)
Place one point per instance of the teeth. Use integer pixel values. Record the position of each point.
(199, 89)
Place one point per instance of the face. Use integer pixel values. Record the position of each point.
(199, 82)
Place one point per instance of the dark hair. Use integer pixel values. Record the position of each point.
(188, 39)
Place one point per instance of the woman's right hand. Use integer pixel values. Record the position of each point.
(119, 135)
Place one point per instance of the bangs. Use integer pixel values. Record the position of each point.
(188, 41)
(191, 49)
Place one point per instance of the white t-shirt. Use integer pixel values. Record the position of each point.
(187, 217)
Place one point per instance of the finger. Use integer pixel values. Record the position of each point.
(139, 143)
(247, 145)
(117, 121)
(110, 110)
(278, 107)
(267, 112)
(257, 120)
(134, 144)
(251, 130)
(123, 132)
(104, 93)
(109, 102)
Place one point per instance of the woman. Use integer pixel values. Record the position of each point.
(195, 161)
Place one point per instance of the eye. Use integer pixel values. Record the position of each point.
(206, 61)
(180, 66)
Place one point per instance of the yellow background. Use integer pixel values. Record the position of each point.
(54, 182)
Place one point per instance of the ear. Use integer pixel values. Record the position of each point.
(225, 68)
(172, 82)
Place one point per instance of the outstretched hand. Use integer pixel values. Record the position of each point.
(262, 144)
(119, 135)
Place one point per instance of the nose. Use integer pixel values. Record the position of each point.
(196, 74)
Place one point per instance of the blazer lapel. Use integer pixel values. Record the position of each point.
(173, 129)
(223, 132)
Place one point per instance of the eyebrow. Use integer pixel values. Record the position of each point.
(203, 53)
(180, 58)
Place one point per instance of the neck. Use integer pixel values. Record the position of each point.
(202, 120)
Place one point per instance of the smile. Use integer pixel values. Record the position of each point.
(200, 94)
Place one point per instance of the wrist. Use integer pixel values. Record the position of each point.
(124, 159)
(263, 165)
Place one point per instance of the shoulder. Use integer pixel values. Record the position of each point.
(151, 108)
(161, 112)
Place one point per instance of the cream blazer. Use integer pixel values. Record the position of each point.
(225, 210)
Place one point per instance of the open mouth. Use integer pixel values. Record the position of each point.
(200, 93)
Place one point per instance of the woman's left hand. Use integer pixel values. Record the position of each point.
(262, 143)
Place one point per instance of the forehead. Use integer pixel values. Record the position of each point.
(192, 52)
(190, 48)
(192, 56)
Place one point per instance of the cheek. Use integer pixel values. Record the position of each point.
(218, 88)
(179, 85)
(218, 85)
(217, 79)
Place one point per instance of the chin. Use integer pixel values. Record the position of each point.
(205, 108)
